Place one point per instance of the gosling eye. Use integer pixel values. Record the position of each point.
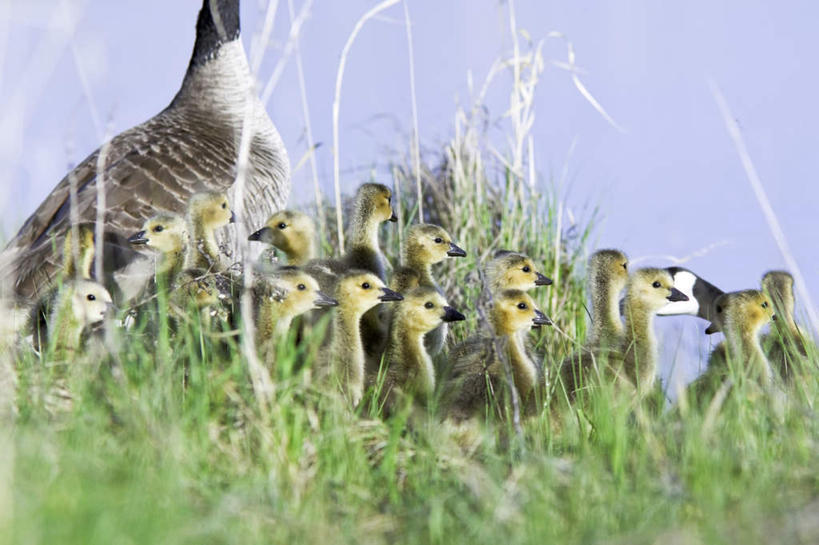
(365, 285)
(657, 284)
(765, 304)
(224, 205)
(301, 287)
(526, 268)
(522, 306)
(282, 225)
(429, 304)
(719, 308)
(438, 240)
(158, 229)
(625, 266)
(91, 297)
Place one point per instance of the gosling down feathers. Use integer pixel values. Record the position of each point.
(785, 346)
(191, 146)
(478, 374)
(292, 232)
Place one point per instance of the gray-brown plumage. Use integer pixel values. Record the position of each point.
(425, 245)
(190, 146)
(477, 373)
(742, 314)
(785, 346)
(408, 369)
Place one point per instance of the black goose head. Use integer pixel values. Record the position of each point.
(218, 23)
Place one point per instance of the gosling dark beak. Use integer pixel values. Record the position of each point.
(455, 251)
(542, 280)
(265, 234)
(393, 218)
(452, 315)
(677, 295)
(773, 317)
(540, 319)
(390, 295)
(232, 217)
(324, 300)
(138, 238)
(711, 329)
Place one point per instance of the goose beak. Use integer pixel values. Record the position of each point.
(138, 238)
(540, 319)
(711, 329)
(773, 317)
(452, 315)
(455, 251)
(677, 295)
(390, 295)
(393, 218)
(324, 300)
(265, 234)
(232, 217)
(542, 280)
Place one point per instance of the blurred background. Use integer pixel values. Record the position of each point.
(665, 174)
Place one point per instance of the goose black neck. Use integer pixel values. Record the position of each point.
(218, 23)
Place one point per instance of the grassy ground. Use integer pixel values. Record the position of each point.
(166, 440)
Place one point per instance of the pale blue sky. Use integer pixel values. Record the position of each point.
(671, 184)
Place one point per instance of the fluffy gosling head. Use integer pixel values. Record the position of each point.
(90, 301)
(290, 231)
(778, 285)
(297, 291)
(651, 289)
(608, 267)
(210, 210)
(165, 233)
(515, 310)
(514, 271)
(429, 244)
(358, 291)
(423, 309)
(374, 201)
(746, 310)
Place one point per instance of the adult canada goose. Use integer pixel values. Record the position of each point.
(513, 271)
(785, 346)
(288, 293)
(632, 362)
(356, 291)
(426, 245)
(701, 295)
(408, 366)
(742, 315)
(191, 146)
(292, 232)
(478, 374)
(77, 305)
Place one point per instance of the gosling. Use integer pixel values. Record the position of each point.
(357, 291)
(477, 371)
(409, 369)
(289, 293)
(425, 246)
(513, 271)
(206, 213)
(78, 304)
(166, 234)
(785, 346)
(742, 315)
(292, 232)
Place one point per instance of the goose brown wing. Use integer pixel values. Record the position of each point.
(154, 167)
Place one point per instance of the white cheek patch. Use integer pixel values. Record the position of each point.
(683, 281)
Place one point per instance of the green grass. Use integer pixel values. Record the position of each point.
(166, 442)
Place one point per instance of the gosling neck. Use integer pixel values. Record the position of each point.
(408, 349)
(523, 368)
(203, 252)
(743, 345)
(169, 264)
(303, 252)
(348, 352)
(364, 231)
(640, 344)
(784, 308)
(607, 328)
(423, 268)
(67, 328)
